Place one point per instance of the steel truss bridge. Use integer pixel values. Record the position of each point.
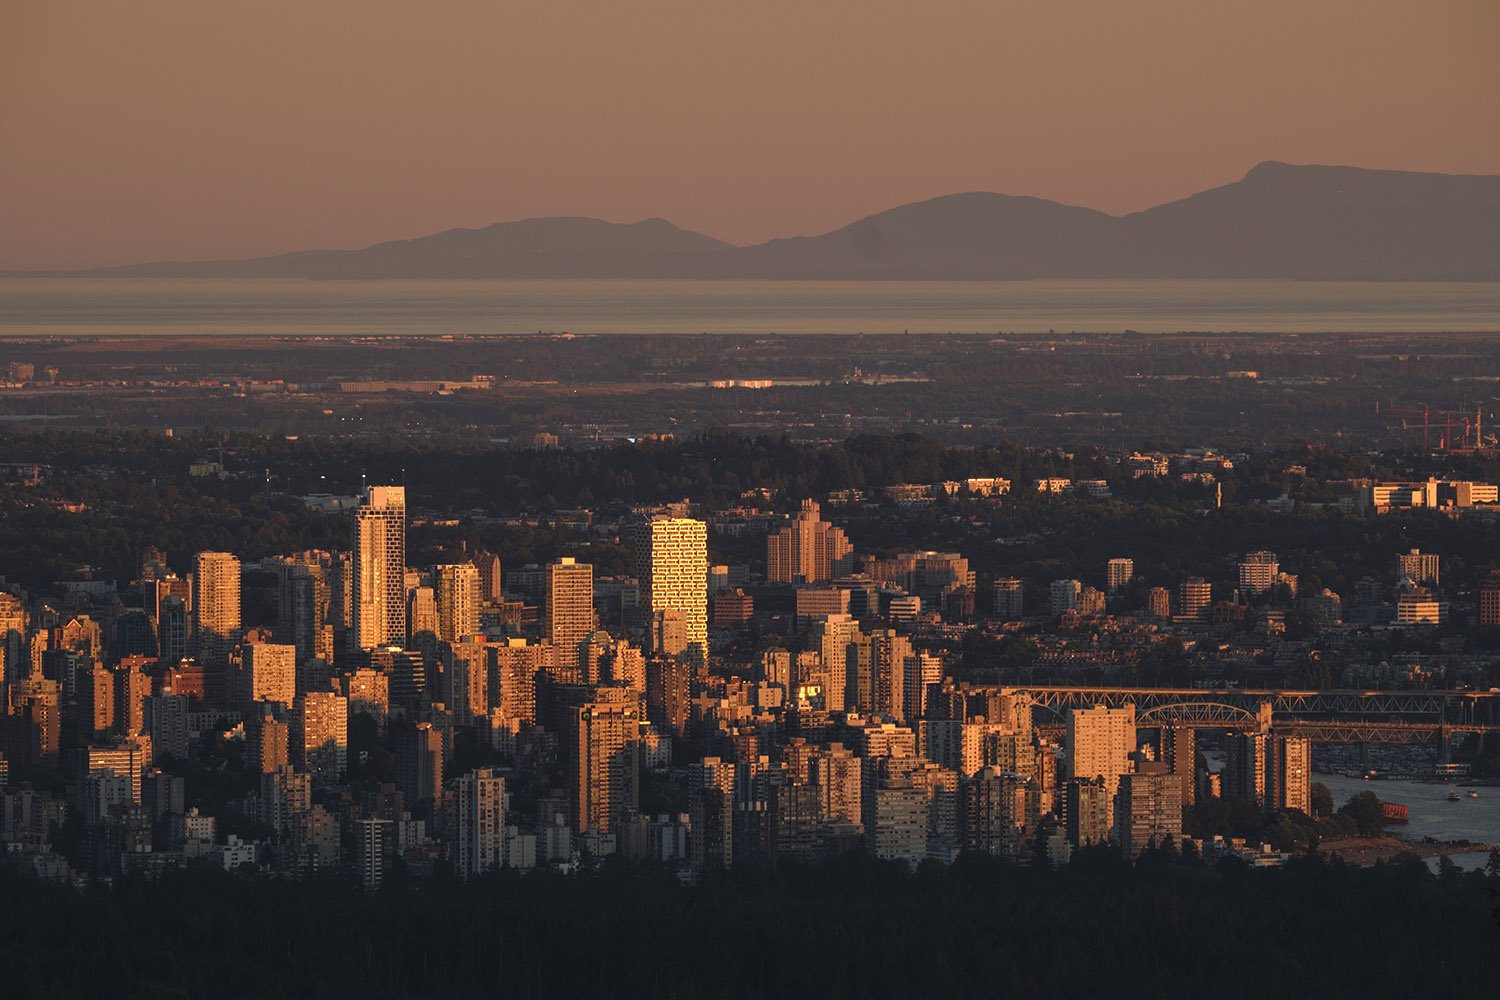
(1334, 716)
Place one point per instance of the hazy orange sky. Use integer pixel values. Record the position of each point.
(182, 129)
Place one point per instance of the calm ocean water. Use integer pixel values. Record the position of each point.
(73, 306)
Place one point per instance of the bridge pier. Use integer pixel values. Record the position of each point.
(1364, 757)
(1445, 745)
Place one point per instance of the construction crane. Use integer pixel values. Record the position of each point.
(1471, 425)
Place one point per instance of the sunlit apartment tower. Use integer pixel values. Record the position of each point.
(457, 587)
(1099, 741)
(267, 741)
(605, 759)
(369, 692)
(1159, 602)
(1288, 774)
(268, 672)
(421, 615)
(889, 654)
(831, 637)
(96, 703)
(487, 565)
(671, 563)
(570, 607)
(216, 605)
(1258, 572)
(320, 736)
(1118, 575)
(478, 822)
(808, 550)
(1195, 599)
(379, 598)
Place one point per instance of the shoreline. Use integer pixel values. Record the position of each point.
(1365, 851)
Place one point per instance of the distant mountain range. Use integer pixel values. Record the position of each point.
(1280, 221)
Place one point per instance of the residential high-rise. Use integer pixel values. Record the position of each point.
(808, 550)
(831, 637)
(1159, 602)
(302, 597)
(173, 631)
(1064, 594)
(268, 672)
(419, 762)
(1086, 811)
(1422, 567)
(1195, 599)
(457, 587)
(1245, 767)
(1489, 600)
(487, 564)
(1099, 741)
(374, 840)
(267, 740)
(96, 703)
(379, 598)
(671, 563)
(1008, 599)
(1118, 575)
(1148, 810)
(1258, 572)
(421, 616)
(1288, 774)
(166, 723)
(922, 671)
(216, 605)
(132, 685)
(993, 812)
(604, 747)
(320, 736)
(478, 822)
(1179, 751)
(880, 684)
(711, 813)
(570, 607)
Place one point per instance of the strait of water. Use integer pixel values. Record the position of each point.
(280, 307)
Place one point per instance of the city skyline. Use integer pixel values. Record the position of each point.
(686, 500)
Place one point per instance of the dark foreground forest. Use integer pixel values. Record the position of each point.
(849, 928)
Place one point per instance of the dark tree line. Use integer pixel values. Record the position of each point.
(851, 927)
